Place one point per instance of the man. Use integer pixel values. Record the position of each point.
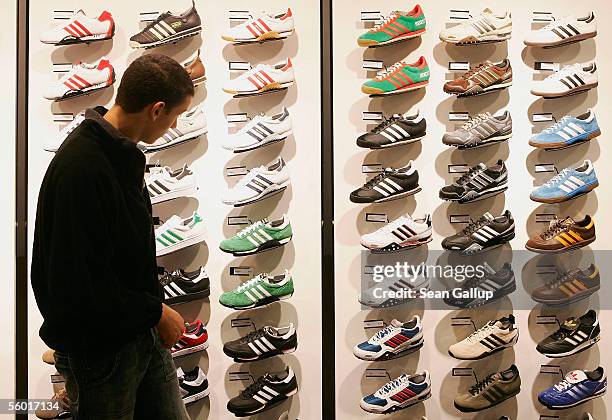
(94, 272)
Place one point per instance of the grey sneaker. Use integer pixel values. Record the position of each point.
(482, 130)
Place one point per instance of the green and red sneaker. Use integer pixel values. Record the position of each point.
(398, 26)
(399, 78)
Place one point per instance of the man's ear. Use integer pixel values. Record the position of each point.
(157, 109)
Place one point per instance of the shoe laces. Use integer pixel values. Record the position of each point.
(393, 225)
(476, 121)
(384, 22)
(248, 177)
(565, 71)
(471, 173)
(556, 23)
(481, 333)
(387, 72)
(380, 335)
(557, 178)
(250, 283)
(474, 226)
(254, 387)
(254, 335)
(562, 278)
(563, 385)
(251, 228)
(473, 71)
(482, 385)
(390, 386)
(556, 226)
(556, 126)
(372, 182)
(387, 121)
(169, 277)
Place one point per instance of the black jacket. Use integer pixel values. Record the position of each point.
(94, 272)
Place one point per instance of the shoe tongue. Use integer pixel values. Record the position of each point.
(481, 166)
(488, 216)
(488, 268)
(496, 377)
(568, 221)
(173, 221)
(487, 11)
(576, 376)
(396, 116)
(397, 323)
(269, 330)
(80, 12)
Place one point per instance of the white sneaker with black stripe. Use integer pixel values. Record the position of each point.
(260, 131)
(55, 144)
(570, 80)
(258, 184)
(165, 184)
(402, 233)
(494, 336)
(563, 31)
(189, 126)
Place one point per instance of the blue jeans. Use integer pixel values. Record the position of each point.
(138, 382)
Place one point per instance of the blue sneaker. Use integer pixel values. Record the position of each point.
(578, 386)
(398, 394)
(569, 183)
(395, 340)
(567, 132)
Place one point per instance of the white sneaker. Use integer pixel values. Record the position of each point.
(484, 28)
(165, 184)
(493, 337)
(178, 233)
(261, 28)
(395, 340)
(572, 79)
(402, 233)
(260, 131)
(258, 184)
(80, 29)
(55, 144)
(563, 31)
(189, 125)
(262, 78)
(83, 78)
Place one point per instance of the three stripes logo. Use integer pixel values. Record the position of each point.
(572, 81)
(261, 346)
(259, 237)
(259, 132)
(258, 28)
(393, 28)
(76, 83)
(483, 26)
(571, 184)
(397, 340)
(395, 132)
(577, 338)
(265, 395)
(172, 134)
(571, 130)
(157, 188)
(572, 287)
(494, 394)
(260, 79)
(399, 79)
(162, 30)
(257, 293)
(168, 238)
(387, 187)
(172, 290)
(485, 76)
(403, 395)
(259, 184)
(485, 234)
(492, 342)
(404, 232)
(569, 238)
(484, 130)
(77, 29)
(565, 31)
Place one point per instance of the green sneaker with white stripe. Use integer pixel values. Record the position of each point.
(261, 290)
(178, 233)
(260, 236)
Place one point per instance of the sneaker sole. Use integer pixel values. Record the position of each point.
(503, 241)
(83, 40)
(181, 245)
(172, 195)
(563, 407)
(268, 36)
(575, 298)
(409, 140)
(373, 92)
(483, 91)
(564, 145)
(202, 294)
(562, 250)
(272, 87)
(401, 38)
(567, 41)
(87, 91)
(584, 346)
(261, 248)
(266, 356)
(483, 143)
(589, 188)
(473, 410)
(195, 397)
(190, 350)
(172, 39)
(390, 356)
(489, 353)
(395, 408)
(573, 91)
(480, 196)
(399, 247)
(259, 304)
(179, 140)
(278, 189)
(472, 40)
(267, 407)
(276, 138)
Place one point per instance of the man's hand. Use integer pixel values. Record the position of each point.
(170, 326)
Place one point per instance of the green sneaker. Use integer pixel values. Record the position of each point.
(261, 290)
(398, 26)
(399, 78)
(260, 236)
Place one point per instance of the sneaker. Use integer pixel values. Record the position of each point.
(80, 29)
(563, 235)
(399, 78)
(189, 126)
(400, 234)
(165, 184)
(478, 183)
(266, 392)
(394, 131)
(483, 78)
(193, 340)
(570, 80)
(569, 287)
(193, 384)
(482, 235)
(258, 237)
(58, 409)
(483, 130)
(260, 131)
(574, 335)
(181, 286)
(261, 290)
(578, 387)
(55, 144)
(82, 79)
(390, 184)
(262, 78)
(195, 68)
(392, 292)
(564, 31)
(261, 27)
(400, 393)
(168, 27)
(494, 336)
(500, 283)
(398, 26)
(263, 343)
(492, 390)
(568, 184)
(395, 340)
(178, 233)
(482, 29)
(259, 184)
(568, 131)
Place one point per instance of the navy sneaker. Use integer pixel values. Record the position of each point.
(398, 394)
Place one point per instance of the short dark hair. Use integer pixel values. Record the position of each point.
(153, 78)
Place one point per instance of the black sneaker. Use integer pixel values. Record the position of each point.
(394, 131)
(261, 344)
(266, 392)
(574, 336)
(193, 384)
(483, 234)
(388, 185)
(478, 183)
(184, 286)
(168, 28)
(501, 283)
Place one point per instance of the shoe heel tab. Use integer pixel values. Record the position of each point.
(511, 319)
(416, 11)
(105, 16)
(288, 14)
(428, 219)
(288, 65)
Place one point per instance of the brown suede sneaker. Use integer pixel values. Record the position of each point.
(492, 390)
(569, 287)
(563, 235)
(483, 78)
(196, 69)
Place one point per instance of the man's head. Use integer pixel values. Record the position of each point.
(157, 89)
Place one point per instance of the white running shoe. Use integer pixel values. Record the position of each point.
(572, 79)
(262, 78)
(178, 233)
(80, 29)
(402, 233)
(395, 340)
(260, 131)
(82, 79)
(189, 125)
(262, 27)
(258, 184)
(165, 184)
(484, 28)
(566, 30)
(493, 337)
(55, 144)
